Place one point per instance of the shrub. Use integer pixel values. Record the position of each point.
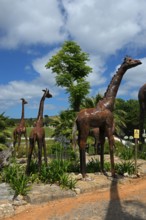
(56, 172)
(125, 167)
(67, 182)
(93, 166)
(15, 176)
(126, 154)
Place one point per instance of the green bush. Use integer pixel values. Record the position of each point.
(67, 182)
(56, 172)
(142, 155)
(125, 167)
(15, 176)
(126, 153)
(93, 166)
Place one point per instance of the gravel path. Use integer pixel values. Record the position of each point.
(118, 202)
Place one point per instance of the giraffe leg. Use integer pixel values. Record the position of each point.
(111, 148)
(40, 144)
(14, 143)
(45, 154)
(141, 127)
(83, 162)
(31, 147)
(26, 142)
(82, 146)
(102, 142)
(96, 146)
(19, 142)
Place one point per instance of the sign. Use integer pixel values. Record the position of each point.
(136, 133)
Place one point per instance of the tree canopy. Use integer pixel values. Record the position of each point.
(70, 66)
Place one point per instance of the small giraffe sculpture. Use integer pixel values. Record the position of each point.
(20, 129)
(37, 134)
(142, 110)
(102, 117)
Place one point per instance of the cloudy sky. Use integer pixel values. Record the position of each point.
(31, 31)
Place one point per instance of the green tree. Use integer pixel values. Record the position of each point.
(131, 107)
(63, 124)
(4, 133)
(71, 70)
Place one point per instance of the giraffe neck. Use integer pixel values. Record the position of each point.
(111, 92)
(41, 110)
(22, 114)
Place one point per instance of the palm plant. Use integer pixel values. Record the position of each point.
(91, 102)
(63, 124)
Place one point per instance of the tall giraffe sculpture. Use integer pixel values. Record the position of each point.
(37, 134)
(102, 117)
(142, 110)
(20, 129)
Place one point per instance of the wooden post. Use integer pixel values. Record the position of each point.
(136, 143)
(136, 136)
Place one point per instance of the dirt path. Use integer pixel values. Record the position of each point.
(118, 202)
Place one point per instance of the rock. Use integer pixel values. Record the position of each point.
(6, 210)
(77, 191)
(19, 200)
(5, 155)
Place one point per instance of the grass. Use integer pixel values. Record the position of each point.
(48, 131)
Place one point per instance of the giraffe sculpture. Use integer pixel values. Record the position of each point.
(102, 117)
(142, 110)
(20, 129)
(37, 134)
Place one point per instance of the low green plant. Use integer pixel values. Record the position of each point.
(74, 166)
(93, 166)
(15, 176)
(142, 155)
(107, 166)
(127, 166)
(56, 172)
(126, 153)
(20, 184)
(56, 169)
(67, 182)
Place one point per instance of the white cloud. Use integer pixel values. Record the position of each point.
(106, 26)
(101, 28)
(30, 22)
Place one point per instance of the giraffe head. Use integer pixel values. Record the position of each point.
(130, 63)
(24, 101)
(47, 94)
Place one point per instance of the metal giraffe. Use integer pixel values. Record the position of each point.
(20, 129)
(37, 134)
(102, 117)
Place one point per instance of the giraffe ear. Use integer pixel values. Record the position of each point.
(44, 90)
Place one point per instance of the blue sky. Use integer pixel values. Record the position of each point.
(31, 31)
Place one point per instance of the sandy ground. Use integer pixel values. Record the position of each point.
(134, 190)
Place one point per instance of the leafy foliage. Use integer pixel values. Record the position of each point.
(127, 166)
(71, 70)
(4, 133)
(126, 153)
(56, 172)
(15, 176)
(63, 124)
